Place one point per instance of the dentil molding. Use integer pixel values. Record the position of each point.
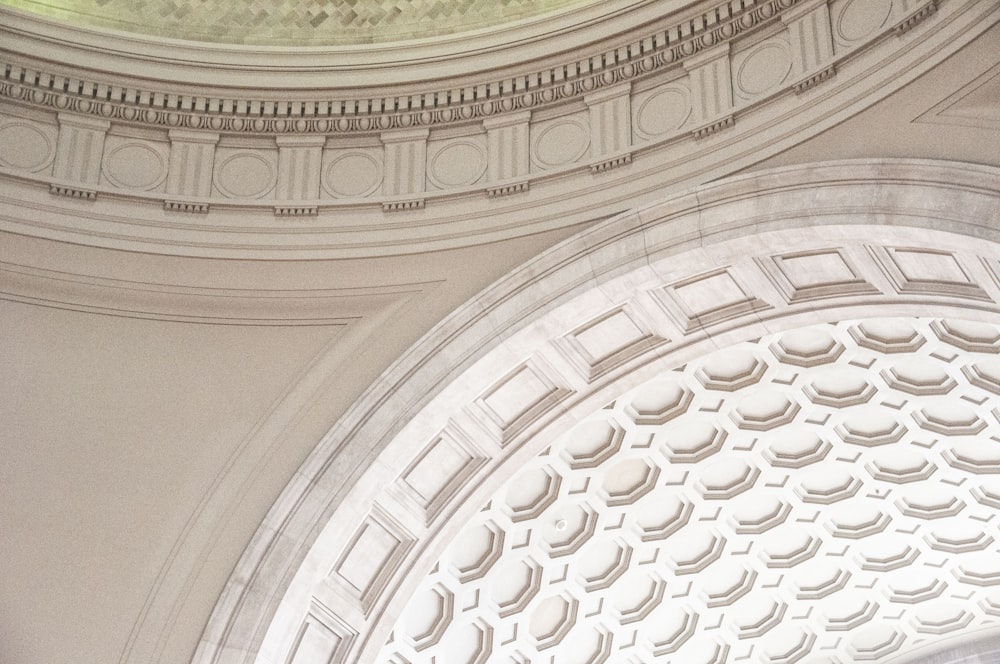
(205, 193)
(669, 92)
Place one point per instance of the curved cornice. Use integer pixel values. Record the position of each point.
(290, 23)
(513, 367)
(523, 48)
(608, 145)
(368, 93)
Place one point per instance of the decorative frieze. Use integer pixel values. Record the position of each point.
(592, 117)
(205, 110)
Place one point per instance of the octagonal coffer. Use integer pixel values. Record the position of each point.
(968, 335)
(933, 502)
(788, 644)
(629, 480)
(819, 577)
(984, 373)
(471, 643)
(846, 611)
(691, 441)
(726, 478)
(729, 581)
(808, 347)
(587, 645)
(657, 517)
(514, 585)
(840, 388)
(919, 376)
(855, 521)
(427, 617)
(754, 616)
(693, 551)
(795, 446)
(876, 642)
(900, 465)
(764, 410)
(979, 569)
(670, 628)
(593, 442)
(602, 563)
(887, 336)
(788, 546)
(658, 402)
(531, 492)
(885, 552)
(730, 370)
(828, 486)
(870, 426)
(636, 596)
(979, 456)
(552, 620)
(941, 618)
(959, 537)
(756, 512)
(950, 418)
(913, 588)
(476, 550)
(566, 529)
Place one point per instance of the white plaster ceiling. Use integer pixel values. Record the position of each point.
(827, 494)
(140, 456)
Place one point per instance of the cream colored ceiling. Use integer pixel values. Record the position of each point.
(826, 494)
(142, 452)
(295, 23)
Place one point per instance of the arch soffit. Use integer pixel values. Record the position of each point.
(496, 381)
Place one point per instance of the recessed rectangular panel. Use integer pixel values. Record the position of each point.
(707, 299)
(371, 557)
(441, 469)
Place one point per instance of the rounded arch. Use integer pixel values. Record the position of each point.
(495, 382)
(821, 494)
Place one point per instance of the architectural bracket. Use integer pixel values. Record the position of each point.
(713, 127)
(916, 16)
(183, 206)
(507, 189)
(296, 210)
(814, 79)
(73, 192)
(394, 206)
(611, 162)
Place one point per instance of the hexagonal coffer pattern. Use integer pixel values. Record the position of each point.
(825, 494)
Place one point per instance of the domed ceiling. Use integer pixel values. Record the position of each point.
(820, 495)
(293, 23)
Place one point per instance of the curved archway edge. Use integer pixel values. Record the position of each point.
(492, 384)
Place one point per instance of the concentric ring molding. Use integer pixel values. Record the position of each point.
(511, 381)
(739, 518)
(394, 213)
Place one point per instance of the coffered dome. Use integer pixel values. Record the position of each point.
(410, 332)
